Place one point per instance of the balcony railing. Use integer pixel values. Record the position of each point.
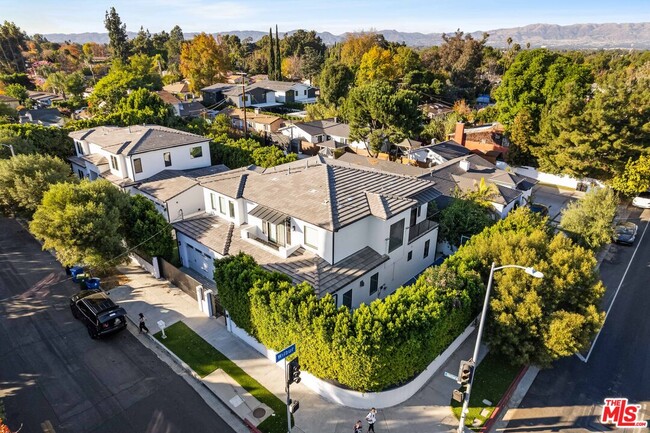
(421, 229)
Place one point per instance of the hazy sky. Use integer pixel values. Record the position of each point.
(335, 16)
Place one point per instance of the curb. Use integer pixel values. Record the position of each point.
(192, 373)
(496, 413)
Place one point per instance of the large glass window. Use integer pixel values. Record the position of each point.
(137, 165)
(311, 237)
(396, 238)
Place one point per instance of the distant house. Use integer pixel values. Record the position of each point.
(488, 140)
(42, 116)
(265, 93)
(255, 121)
(181, 109)
(43, 99)
(128, 155)
(177, 193)
(465, 173)
(181, 89)
(436, 110)
(10, 101)
(288, 92)
(312, 136)
(435, 154)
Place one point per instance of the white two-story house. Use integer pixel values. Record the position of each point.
(354, 233)
(128, 155)
(323, 135)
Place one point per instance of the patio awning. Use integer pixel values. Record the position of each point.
(267, 214)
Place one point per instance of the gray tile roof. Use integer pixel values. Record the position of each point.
(325, 126)
(267, 214)
(222, 237)
(382, 165)
(448, 149)
(169, 183)
(450, 175)
(323, 192)
(276, 86)
(136, 139)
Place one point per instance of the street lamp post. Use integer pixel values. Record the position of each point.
(530, 271)
(11, 147)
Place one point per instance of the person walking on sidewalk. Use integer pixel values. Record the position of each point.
(372, 419)
(143, 326)
(358, 427)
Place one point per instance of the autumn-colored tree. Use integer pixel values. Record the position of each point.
(356, 45)
(377, 64)
(635, 178)
(204, 61)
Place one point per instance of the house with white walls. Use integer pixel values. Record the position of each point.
(177, 194)
(323, 134)
(436, 153)
(354, 233)
(128, 155)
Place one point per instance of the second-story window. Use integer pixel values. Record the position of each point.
(137, 165)
(213, 201)
(231, 209)
(222, 205)
(114, 165)
(311, 237)
(80, 149)
(167, 157)
(396, 237)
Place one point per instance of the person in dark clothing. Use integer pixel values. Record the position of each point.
(358, 427)
(143, 326)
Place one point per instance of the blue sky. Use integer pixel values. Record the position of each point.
(335, 16)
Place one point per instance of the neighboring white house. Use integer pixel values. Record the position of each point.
(355, 233)
(326, 133)
(287, 91)
(128, 155)
(177, 193)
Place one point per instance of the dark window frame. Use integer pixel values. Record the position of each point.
(167, 158)
(374, 283)
(347, 299)
(396, 235)
(137, 165)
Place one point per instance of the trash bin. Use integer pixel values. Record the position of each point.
(75, 271)
(92, 283)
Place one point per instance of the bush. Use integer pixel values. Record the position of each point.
(377, 346)
(47, 140)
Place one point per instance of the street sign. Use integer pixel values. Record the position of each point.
(285, 352)
(451, 376)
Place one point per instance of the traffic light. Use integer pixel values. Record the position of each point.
(465, 372)
(294, 371)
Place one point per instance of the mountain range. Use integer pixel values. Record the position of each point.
(575, 36)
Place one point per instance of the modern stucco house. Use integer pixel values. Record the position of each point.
(128, 155)
(355, 233)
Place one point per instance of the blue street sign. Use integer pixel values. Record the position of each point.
(285, 352)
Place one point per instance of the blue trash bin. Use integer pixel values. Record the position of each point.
(75, 271)
(92, 283)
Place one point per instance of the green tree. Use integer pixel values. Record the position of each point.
(588, 221)
(146, 230)
(463, 218)
(25, 178)
(30, 138)
(521, 139)
(111, 89)
(460, 56)
(272, 59)
(297, 43)
(83, 223)
(143, 106)
(335, 82)
(204, 61)
(7, 114)
(356, 45)
(142, 43)
(377, 114)
(119, 41)
(75, 84)
(635, 178)
(56, 82)
(17, 91)
(377, 64)
(312, 63)
(270, 156)
(12, 45)
(174, 46)
(535, 321)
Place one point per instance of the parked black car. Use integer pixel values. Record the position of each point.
(625, 233)
(98, 312)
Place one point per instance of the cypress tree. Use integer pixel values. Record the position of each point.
(278, 62)
(272, 61)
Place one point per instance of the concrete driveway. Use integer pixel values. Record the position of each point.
(555, 199)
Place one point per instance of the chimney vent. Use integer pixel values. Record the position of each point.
(465, 165)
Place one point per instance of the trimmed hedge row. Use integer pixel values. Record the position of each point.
(377, 346)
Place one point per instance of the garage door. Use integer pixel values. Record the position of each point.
(200, 262)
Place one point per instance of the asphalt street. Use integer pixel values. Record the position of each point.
(569, 396)
(53, 374)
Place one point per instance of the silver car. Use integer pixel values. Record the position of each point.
(642, 200)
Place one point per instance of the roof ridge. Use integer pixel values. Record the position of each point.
(331, 193)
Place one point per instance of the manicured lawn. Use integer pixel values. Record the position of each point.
(204, 359)
(492, 378)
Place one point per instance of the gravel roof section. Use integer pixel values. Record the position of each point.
(136, 139)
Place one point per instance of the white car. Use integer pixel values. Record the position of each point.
(642, 200)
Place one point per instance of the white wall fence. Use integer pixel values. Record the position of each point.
(356, 399)
(558, 180)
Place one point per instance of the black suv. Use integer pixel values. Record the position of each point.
(98, 312)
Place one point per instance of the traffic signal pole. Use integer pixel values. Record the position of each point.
(286, 381)
(463, 413)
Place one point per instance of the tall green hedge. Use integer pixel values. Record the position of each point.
(47, 140)
(377, 346)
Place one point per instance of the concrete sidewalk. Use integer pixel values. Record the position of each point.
(428, 410)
